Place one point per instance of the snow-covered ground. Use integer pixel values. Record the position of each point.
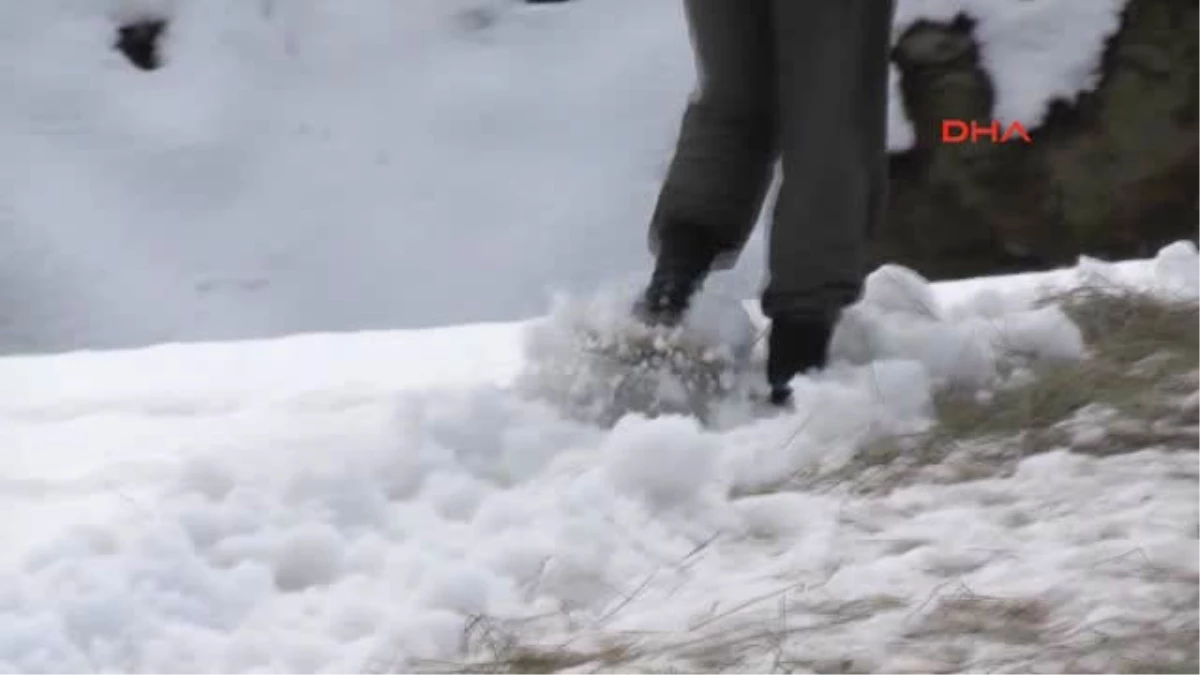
(354, 502)
(324, 165)
(348, 501)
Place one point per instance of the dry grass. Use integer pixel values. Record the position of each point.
(944, 633)
(1144, 352)
(1128, 326)
(1138, 385)
(495, 645)
(1015, 621)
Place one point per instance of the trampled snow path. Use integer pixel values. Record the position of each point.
(352, 502)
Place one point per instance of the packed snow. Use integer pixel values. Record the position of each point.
(364, 501)
(323, 165)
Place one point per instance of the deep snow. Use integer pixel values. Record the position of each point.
(351, 502)
(319, 165)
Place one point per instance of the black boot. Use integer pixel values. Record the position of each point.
(684, 262)
(794, 346)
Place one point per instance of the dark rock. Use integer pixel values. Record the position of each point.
(140, 41)
(1112, 174)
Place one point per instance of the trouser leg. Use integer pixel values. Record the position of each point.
(724, 158)
(832, 70)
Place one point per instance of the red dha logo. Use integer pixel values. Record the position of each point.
(960, 131)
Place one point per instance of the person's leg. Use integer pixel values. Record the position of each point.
(833, 82)
(724, 158)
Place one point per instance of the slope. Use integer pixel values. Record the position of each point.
(395, 501)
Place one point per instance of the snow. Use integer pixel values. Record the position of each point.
(1034, 52)
(277, 471)
(317, 165)
(332, 503)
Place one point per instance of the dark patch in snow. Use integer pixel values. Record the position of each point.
(140, 42)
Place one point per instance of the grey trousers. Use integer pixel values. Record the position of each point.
(803, 83)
